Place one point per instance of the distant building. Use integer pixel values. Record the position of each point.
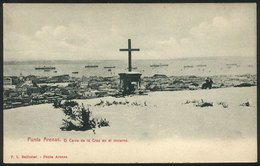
(60, 78)
(92, 93)
(84, 82)
(30, 77)
(27, 84)
(84, 79)
(7, 81)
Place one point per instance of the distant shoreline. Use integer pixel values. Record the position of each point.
(18, 62)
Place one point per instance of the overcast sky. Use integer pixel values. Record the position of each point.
(98, 31)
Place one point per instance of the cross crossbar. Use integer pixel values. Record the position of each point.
(134, 49)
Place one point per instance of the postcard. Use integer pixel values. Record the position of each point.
(130, 83)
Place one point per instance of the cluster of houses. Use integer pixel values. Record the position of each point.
(28, 90)
(161, 82)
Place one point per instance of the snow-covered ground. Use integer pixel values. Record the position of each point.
(161, 129)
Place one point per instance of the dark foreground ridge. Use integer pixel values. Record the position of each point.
(32, 90)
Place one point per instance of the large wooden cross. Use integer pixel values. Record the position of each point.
(129, 49)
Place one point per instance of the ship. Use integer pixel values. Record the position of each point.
(91, 66)
(45, 68)
(188, 66)
(201, 65)
(163, 64)
(233, 64)
(109, 67)
(154, 65)
(75, 72)
(160, 65)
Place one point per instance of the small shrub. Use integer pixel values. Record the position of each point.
(224, 105)
(246, 104)
(108, 103)
(187, 102)
(200, 103)
(69, 103)
(193, 101)
(100, 103)
(57, 104)
(77, 118)
(204, 104)
(103, 123)
(80, 119)
(135, 103)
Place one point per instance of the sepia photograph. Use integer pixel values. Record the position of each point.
(129, 83)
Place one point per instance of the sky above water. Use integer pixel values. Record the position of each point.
(98, 31)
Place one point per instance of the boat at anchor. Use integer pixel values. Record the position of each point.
(45, 68)
(91, 66)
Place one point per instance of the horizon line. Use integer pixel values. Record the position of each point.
(124, 59)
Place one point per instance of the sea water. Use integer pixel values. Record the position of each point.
(209, 66)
